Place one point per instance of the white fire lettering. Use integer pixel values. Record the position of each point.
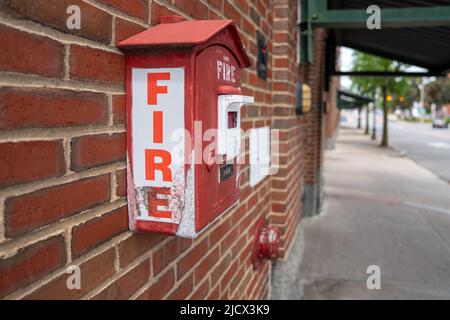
(226, 71)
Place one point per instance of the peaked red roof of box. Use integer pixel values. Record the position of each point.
(187, 33)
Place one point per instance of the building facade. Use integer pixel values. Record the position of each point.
(63, 202)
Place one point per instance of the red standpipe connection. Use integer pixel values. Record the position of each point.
(267, 242)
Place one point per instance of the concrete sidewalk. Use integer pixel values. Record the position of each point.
(381, 209)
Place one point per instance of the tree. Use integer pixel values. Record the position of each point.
(412, 94)
(379, 87)
(438, 92)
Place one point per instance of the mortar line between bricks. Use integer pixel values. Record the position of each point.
(68, 242)
(217, 12)
(149, 12)
(113, 187)
(275, 79)
(116, 12)
(260, 285)
(256, 88)
(257, 285)
(206, 279)
(113, 31)
(117, 260)
(252, 292)
(152, 278)
(66, 62)
(275, 19)
(142, 289)
(119, 273)
(22, 292)
(35, 81)
(12, 246)
(280, 5)
(31, 27)
(286, 56)
(281, 45)
(232, 260)
(284, 92)
(2, 220)
(38, 134)
(191, 272)
(249, 271)
(275, 69)
(239, 265)
(299, 232)
(212, 289)
(150, 270)
(18, 190)
(235, 293)
(287, 117)
(67, 155)
(173, 8)
(184, 254)
(26, 290)
(110, 110)
(238, 9)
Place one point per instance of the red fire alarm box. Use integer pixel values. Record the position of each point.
(183, 124)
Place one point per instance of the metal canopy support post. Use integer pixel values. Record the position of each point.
(330, 59)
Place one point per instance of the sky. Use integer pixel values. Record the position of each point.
(346, 62)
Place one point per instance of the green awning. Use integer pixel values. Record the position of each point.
(415, 32)
(347, 100)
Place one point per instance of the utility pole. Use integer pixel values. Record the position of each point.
(374, 125)
(367, 119)
(359, 118)
(422, 93)
(422, 87)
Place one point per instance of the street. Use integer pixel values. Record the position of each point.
(427, 146)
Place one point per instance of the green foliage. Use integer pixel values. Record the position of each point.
(412, 94)
(380, 87)
(438, 92)
(373, 86)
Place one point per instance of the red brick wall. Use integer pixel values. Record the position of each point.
(62, 152)
(286, 185)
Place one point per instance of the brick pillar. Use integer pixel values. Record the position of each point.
(332, 117)
(313, 74)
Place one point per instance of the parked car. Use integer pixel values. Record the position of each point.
(439, 123)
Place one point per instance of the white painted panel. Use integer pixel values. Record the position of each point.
(259, 154)
(172, 105)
